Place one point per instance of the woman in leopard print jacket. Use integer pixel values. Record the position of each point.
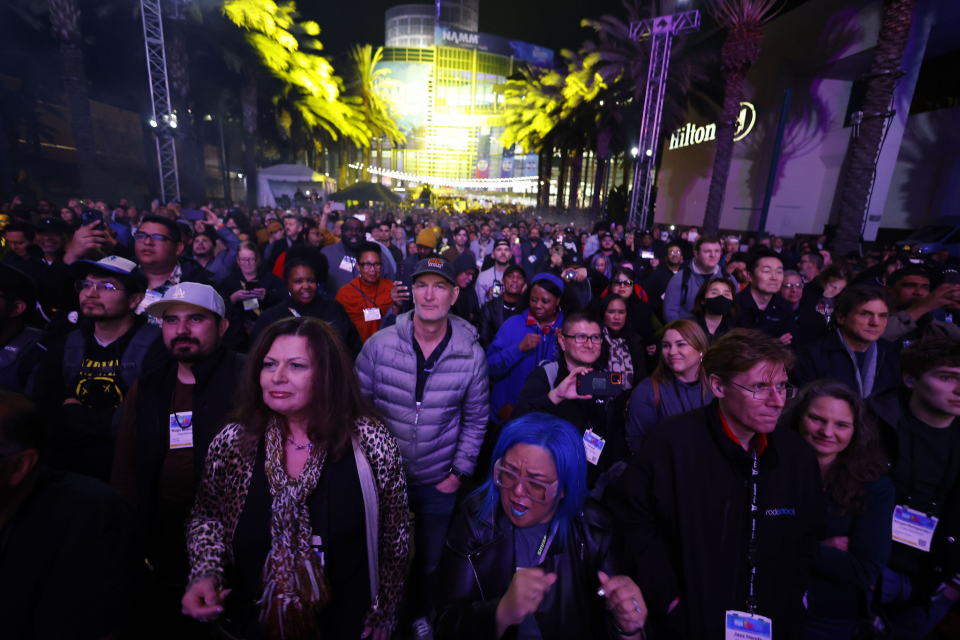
(301, 516)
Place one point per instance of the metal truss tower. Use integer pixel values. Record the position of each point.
(164, 120)
(661, 30)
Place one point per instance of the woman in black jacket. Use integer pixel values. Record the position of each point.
(622, 350)
(250, 288)
(526, 551)
(301, 278)
(860, 498)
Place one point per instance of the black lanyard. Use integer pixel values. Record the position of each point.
(752, 551)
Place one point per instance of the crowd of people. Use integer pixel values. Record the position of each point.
(267, 424)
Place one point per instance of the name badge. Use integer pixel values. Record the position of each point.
(181, 430)
(372, 314)
(348, 263)
(149, 297)
(531, 259)
(479, 264)
(746, 626)
(249, 304)
(593, 445)
(913, 528)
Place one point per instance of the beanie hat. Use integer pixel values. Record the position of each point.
(427, 238)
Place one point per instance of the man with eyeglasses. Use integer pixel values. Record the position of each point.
(157, 243)
(170, 416)
(86, 375)
(552, 388)
(720, 509)
(367, 298)
(656, 283)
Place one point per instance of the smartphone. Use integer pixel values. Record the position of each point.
(362, 217)
(337, 206)
(600, 383)
(559, 239)
(90, 216)
(251, 285)
(497, 289)
(193, 214)
(646, 255)
(570, 275)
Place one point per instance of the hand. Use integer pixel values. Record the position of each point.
(652, 349)
(71, 401)
(786, 338)
(567, 390)
(239, 295)
(530, 341)
(450, 484)
(625, 601)
(399, 293)
(522, 598)
(946, 295)
(837, 542)
(204, 600)
(950, 593)
(378, 634)
(211, 218)
(581, 274)
(259, 293)
(85, 239)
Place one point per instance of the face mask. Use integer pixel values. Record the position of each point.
(718, 306)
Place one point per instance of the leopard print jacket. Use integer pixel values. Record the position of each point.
(223, 492)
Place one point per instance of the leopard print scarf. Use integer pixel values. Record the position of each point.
(295, 589)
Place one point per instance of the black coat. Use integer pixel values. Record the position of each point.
(478, 565)
(683, 507)
(776, 320)
(217, 377)
(827, 358)
(492, 316)
(330, 311)
(656, 286)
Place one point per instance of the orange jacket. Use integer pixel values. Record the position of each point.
(356, 295)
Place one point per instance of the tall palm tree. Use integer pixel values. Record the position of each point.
(371, 87)
(865, 148)
(65, 26)
(744, 20)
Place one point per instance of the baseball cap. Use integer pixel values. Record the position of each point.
(55, 225)
(199, 295)
(438, 266)
(114, 264)
(16, 285)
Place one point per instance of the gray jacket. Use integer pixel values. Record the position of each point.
(901, 326)
(447, 431)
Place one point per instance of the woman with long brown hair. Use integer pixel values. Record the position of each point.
(677, 385)
(301, 515)
(833, 419)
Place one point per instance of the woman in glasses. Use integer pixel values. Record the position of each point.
(251, 288)
(367, 297)
(640, 311)
(715, 308)
(527, 554)
(677, 385)
(860, 498)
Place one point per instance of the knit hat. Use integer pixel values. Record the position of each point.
(273, 226)
(427, 238)
(464, 262)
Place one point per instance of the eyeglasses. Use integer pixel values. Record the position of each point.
(96, 286)
(581, 338)
(541, 492)
(765, 393)
(246, 260)
(370, 265)
(623, 283)
(797, 285)
(674, 253)
(139, 236)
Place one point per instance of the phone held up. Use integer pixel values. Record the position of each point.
(90, 216)
(600, 383)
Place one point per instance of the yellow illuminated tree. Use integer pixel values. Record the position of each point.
(369, 89)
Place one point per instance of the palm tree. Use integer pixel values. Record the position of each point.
(65, 26)
(744, 20)
(865, 148)
(371, 87)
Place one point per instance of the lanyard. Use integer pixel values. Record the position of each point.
(294, 312)
(545, 544)
(752, 551)
(376, 293)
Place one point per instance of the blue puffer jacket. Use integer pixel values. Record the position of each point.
(509, 367)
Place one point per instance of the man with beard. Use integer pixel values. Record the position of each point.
(85, 376)
(69, 561)
(343, 257)
(490, 282)
(171, 415)
(532, 252)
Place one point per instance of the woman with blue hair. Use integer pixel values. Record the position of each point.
(528, 550)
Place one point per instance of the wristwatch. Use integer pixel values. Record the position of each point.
(460, 474)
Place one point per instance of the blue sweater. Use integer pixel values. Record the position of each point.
(509, 367)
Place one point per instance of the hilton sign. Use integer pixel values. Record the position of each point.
(692, 134)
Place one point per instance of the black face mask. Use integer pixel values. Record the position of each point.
(718, 306)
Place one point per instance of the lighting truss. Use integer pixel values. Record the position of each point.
(164, 120)
(661, 31)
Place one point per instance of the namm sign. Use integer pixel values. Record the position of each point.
(692, 134)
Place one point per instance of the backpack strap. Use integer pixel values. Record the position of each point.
(685, 285)
(551, 369)
(131, 363)
(656, 395)
(73, 351)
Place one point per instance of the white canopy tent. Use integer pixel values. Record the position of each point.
(284, 180)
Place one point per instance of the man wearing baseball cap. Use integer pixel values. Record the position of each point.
(85, 376)
(428, 377)
(45, 265)
(426, 248)
(490, 282)
(170, 416)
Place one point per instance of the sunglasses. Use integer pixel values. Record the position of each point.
(623, 283)
(540, 492)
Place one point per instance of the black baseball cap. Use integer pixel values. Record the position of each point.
(54, 225)
(16, 285)
(439, 266)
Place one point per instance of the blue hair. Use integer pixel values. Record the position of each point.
(564, 444)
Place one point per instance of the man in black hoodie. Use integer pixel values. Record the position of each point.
(721, 510)
(85, 376)
(171, 416)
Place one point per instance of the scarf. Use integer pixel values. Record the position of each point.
(295, 589)
(620, 360)
(866, 377)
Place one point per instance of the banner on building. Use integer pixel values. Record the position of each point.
(537, 56)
